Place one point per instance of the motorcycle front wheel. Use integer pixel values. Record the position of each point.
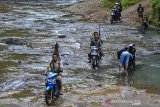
(49, 97)
(111, 21)
(93, 63)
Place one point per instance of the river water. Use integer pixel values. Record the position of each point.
(37, 27)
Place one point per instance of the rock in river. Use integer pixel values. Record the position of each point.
(15, 41)
(61, 36)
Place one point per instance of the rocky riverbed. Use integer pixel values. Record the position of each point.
(28, 33)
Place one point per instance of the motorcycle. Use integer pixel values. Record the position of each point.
(94, 57)
(115, 17)
(52, 89)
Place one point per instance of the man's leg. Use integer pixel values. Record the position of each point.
(59, 81)
(121, 62)
(121, 65)
(89, 57)
(127, 63)
(139, 15)
(134, 61)
(100, 55)
(126, 69)
(120, 68)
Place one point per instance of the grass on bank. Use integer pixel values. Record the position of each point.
(125, 3)
(4, 8)
(2, 105)
(155, 14)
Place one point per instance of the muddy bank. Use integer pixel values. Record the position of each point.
(93, 12)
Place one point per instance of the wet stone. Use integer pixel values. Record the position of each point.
(62, 36)
(15, 41)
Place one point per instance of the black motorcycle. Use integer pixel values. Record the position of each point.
(115, 17)
(95, 57)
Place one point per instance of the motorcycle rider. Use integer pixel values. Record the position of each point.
(115, 13)
(140, 11)
(96, 41)
(56, 66)
(119, 8)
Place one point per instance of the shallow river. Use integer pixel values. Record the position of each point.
(36, 26)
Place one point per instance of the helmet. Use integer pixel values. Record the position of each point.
(131, 45)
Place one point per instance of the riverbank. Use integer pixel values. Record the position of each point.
(93, 12)
(28, 33)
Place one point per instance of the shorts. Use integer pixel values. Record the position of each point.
(124, 58)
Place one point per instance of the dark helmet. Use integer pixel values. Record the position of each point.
(131, 45)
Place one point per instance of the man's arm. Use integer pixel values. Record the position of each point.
(91, 42)
(61, 66)
(46, 70)
(100, 43)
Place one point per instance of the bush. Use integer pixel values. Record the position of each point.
(125, 3)
(155, 15)
(108, 3)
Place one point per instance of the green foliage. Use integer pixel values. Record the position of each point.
(108, 3)
(2, 105)
(4, 8)
(155, 15)
(125, 3)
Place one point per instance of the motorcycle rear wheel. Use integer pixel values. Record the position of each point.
(111, 21)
